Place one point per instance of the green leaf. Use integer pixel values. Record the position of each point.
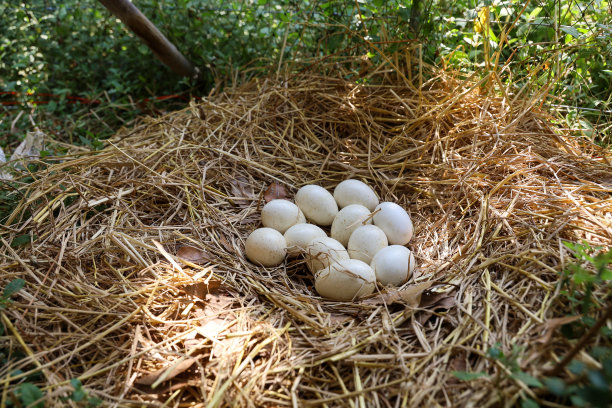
(76, 383)
(595, 397)
(29, 393)
(20, 240)
(526, 378)
(13, 287)
(607, 368)
(571, 31)
(78, 395)
(467, 376)
(496, 353)
(94, 401)
(555, 385)
(529, 403)
(404, 13)
(335, 41)
(598, 379)
(576, 367)
(577, 401)
(534, 13)
(582, 276)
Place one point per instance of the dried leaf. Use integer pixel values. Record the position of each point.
(29, 149)
(410, 296)
(4, 175)
(166, 255)
(218, 303)
(338, 318)
(193, 254)
(201, 289)
(242, 191)
(434, 302)
(274, 192)
(457, 363)
(211, 328)
(552, 324)
(226, 244)
(430, 300)
(249, 220)
(168, 372)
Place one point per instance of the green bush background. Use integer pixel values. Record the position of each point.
(78, 48)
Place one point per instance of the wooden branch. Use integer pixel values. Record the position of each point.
(163, 49)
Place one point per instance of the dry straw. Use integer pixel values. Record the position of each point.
(493, 187)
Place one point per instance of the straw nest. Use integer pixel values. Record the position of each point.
(137, 282)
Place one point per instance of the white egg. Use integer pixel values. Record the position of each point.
(321, 252)
(281, 214)
(345, 280)
(395, 221)
(300, 235)
(266, 246)
(317, 204)
(355, 192)
(365, 242)
(348, 220)
(393, 265)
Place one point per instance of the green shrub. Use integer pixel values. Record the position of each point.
(79, 49)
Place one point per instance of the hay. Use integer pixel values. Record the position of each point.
(493, 187)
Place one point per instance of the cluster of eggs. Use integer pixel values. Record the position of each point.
(366, 244)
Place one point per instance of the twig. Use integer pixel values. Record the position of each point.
(581, 343)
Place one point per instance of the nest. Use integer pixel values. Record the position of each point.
(137, 282)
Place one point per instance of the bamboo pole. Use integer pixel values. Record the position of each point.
(163, 49)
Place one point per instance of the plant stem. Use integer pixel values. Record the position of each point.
(581, 343)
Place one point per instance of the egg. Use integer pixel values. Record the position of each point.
(348, 220)
(355, 192)
(266, 246)
(281, 214)
(393, 265)
(365, 242)
(345, 280)
(321, 252)
(300, 235)
(317, 204)
(395, 221)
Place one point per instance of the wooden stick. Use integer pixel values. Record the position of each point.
(163, 49)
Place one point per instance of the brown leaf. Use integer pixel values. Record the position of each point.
(193, 254)
(166, 255)
(338, 318)
(249, 220)
(431, 299)
(201, 289)
(434, 302)
(411, 295)
(274, 192)
(172, 371)
(226, 244)
(242, 190)
(211, 328)
(218, 303)
(552, 324)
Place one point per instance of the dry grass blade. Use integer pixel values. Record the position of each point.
(491, 197)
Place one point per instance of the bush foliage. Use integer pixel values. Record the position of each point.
(53, 51)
